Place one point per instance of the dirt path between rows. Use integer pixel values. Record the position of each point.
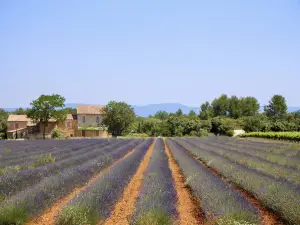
(48, 216)
(124, 208)
(268, 217)
(189, 211)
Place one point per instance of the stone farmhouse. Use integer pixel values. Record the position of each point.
(86, 123)
(89, 121)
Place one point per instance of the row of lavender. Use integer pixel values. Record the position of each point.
(41, 189)
(13, 183)
(243, 156)
(20, 155)
(274, 147)
(276, 194)
(220, 203)
(96, 203)
(156, 203)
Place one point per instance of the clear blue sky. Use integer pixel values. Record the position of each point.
(146, 52)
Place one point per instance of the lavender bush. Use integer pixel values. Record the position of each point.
(157, 198)
(96, 203)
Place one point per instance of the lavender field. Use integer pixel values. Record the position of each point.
(212, 180)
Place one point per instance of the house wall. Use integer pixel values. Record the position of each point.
(21, 133)
(90, 120)
(92, 133)
(67, 131)
(49, 129)
(11, 125)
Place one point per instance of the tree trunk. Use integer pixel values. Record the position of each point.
(44, 132)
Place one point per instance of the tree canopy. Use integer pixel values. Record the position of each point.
(46, 107)
(117, 117)
(3, 125)
(162, 115)
(277, 107)
(206, 111)
(20, 111)
(220, 106)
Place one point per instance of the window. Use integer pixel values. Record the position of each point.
(97, 120)
(68, 124)
(83, 119)
(17, 125)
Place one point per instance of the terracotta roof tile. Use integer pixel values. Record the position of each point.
(17, 118)
(89, 109)
(23, 118)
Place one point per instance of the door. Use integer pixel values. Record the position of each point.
(83, 133)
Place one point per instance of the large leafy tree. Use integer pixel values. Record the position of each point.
(71, 111)
(20, 111)
(46, 107)
(192, 114)
(162, 115)
(249, 106)
(277, 107)
(234, 108)
(179, 112)
(220, 106)
(206, 111)
(117, 117)
(3, 123)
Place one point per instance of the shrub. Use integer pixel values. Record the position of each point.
(7, 150)
(56, 134)
(230, 133)
(222, 124)
(44, 159)
(203, 133)
(13, 215)
(154, 217)
(293, 136)
(79, 215)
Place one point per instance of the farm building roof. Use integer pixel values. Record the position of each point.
(24, 118)
(17, 118)
(89, 109)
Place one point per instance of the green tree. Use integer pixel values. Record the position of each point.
(150, 126)
(256, 123)
(192, 114)
(162, 115)
(3, 123)
(20, 111)
(277, 107)
(234, 108)
(117, 117)
(179, 112)
(46, 107)
(220, 125)
(249, 106)
(71, 111)
(220, 106)
(206, 111)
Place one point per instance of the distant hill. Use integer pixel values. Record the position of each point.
(151, 109)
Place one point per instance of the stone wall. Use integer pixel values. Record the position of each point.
(11, 125)
(67, 131)
(92, 133)
(90, 120)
